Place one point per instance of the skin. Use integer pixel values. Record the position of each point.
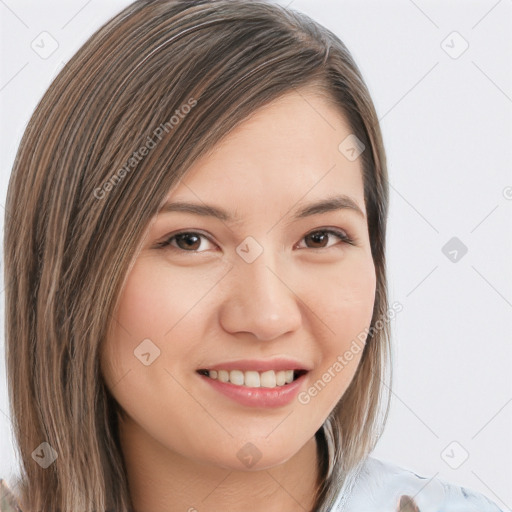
(300, 298)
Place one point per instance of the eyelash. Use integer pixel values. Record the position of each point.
(341, 235)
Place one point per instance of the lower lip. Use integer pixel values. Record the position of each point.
(258, 397)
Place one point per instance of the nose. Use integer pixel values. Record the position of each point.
(259, 300)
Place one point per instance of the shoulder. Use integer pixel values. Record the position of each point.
(384, 486)
(8, 501)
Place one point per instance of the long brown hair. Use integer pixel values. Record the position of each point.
(82, 191)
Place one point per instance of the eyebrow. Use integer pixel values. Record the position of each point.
(335, 203)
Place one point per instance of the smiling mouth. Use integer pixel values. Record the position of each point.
(254, 379)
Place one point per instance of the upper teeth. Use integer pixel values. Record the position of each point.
(252, 379)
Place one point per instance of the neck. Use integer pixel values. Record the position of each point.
(163, 481)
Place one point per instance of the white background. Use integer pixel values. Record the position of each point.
(447, 125)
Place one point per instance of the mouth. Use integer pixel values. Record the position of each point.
(257, 383)
(254, 379)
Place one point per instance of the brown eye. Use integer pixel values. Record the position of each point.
(186, 241)
(320, 239)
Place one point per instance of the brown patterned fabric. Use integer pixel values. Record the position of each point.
(407, 504)
(7, 499)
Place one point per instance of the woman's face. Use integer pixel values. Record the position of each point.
(257, 295)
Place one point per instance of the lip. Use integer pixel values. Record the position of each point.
(259, 365)
(257, 397)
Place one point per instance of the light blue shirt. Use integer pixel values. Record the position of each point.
(377, 486)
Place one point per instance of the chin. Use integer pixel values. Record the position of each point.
(256, 456)
(234, 464)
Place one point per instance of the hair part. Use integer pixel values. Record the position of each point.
(67, 251)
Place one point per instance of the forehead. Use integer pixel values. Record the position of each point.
(287, 150)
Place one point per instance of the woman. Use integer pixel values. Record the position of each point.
(196, 308)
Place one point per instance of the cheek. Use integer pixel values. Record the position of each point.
(144, 312)
(346, 311)
(355, 296)
(345, 306)
(157, 300)
(159, 304)
(346, 299)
